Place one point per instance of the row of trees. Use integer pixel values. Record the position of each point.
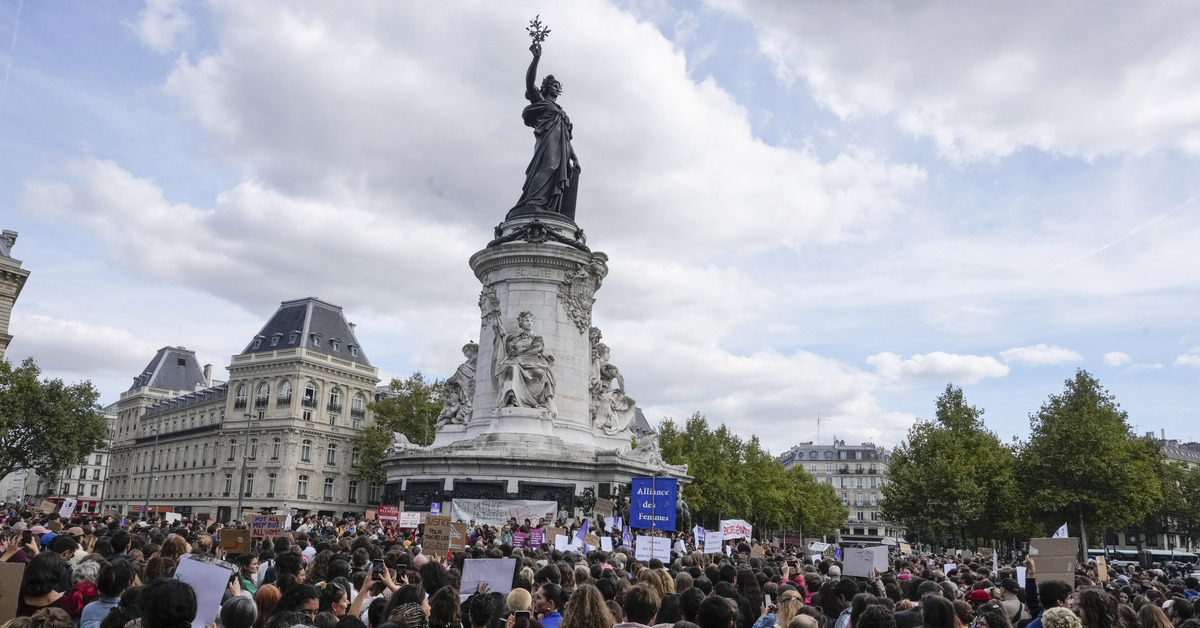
(46, 426)
(737, 478)
(953, 480)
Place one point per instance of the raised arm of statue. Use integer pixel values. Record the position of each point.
(532, 93)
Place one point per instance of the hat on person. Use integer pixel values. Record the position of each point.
(75, 531)
(1010, 585)
(38, 529)
(979, 595)
(904, 576)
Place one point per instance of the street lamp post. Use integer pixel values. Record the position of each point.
(153, 470)
(245, 456)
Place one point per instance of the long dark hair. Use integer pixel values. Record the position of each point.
(937, 612)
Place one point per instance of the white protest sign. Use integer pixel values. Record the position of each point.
(735, 529)
(68, 507)
(612, 523)
(1021, 576)
(712, 542)
(679, 548)
(606, 543)
(648, 547)
(561, 542)
(409, 520)
(728, 551)
(497, 512)
(173, 517)
(859, 561)
(817, 547)
(209, 581)
(816, 558)
(948, 567)
(698, 535)
(497, 573)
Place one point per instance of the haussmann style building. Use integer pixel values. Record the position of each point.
(857, 473)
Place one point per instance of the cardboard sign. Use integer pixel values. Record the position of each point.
(859, 561)
(552, 532)
(46, 507)
(10, 589)
(905, 549)
(1056, 558)
(436, 540)
(266, 526)
(111, 513)
(410, 519)
(458, 536)
(592, 540)
(603, 507)
(370, 514)
(537, 537)
(1102, 568)
(756, 551)
(389, 513)
(234, 541)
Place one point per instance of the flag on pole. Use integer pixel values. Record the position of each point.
(583, 531)
(1062, 532)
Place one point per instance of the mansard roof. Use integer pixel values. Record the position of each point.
(173, 368)
(312, 324)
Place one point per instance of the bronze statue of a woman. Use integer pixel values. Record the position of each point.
(552, 178)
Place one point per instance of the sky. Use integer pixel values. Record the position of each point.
(818, 214)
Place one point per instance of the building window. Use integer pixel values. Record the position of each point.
(874, 499)
(308, 415)
(813, 469)
(292, 338)
(99, 460)
(829, 455)
(66, 488)
(335, 400)
(205, 459)
(285, 393)
(310, 395)
(302, 487)
(254, 449)
(812, 455)
(240, 401)
(860, 515)
(358, 407)
(874, 482)
(249, 484)
(232, 447)
(95, 474)
(874, 516)
(858, 499)
(275, 450)
(331, 455)
(859, 483)
(354, 457)
(264, 395)
(275, 340)
(842, 455)
(858, 455)
(872, 469)
(228, 484)
(373, 493)
(328, 489)
(335, 345)
(257, 342)
(828, 468)
(271, 485)
(305, 451)
(352, 492)
(353, 351)
(333, 419)
(316, 340)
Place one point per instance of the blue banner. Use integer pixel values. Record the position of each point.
(653, 503)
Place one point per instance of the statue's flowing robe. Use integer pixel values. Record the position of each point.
(549, 173)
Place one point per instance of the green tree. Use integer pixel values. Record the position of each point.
(411, 408)
(952, 476)
(816, 510)
(45, 425)
(1082, 464)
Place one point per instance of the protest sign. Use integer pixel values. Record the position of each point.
(1102, 568)
(370, 514)
(172, 517)
(652, 505)
(497, 573)
(551, 532)
(905, 549)
(603, 508)
(210, 582)
(627, 538)
(698, 535)
(458, 536)
(948, 567)
(592, 539)
(497, 512)
(518, 539)
(67, 509)
(818, 547)
(679, 548)
(816, 558)
(712, 542)
(409, 520)
(1021, 576)
(436, 540)
(735, 529)
(234, 541)
(388, 513)
(11, 575)
(111, 513)
(606, 543)
(537, 537)
(561, 542)
(435, 508)
(266, 526)
(859, 561)
(612, 523)
(46, 507)
(1056, 558)
(648, 547)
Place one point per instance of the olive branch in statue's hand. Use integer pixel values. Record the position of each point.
(537, 32)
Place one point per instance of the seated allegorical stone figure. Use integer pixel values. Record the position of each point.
(612, 411)
(458, 392)
(521, 367)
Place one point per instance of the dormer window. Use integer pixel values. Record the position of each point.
(275, 339)
(316, 340)
(257, 342)
(353, 351)
(335, 344)
(292, 338)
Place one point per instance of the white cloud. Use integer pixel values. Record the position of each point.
(162, 25)
(986, 81)
(963, 369)
(1135, 368)
(1191, 358)
(1116, 358)
(1040, 354)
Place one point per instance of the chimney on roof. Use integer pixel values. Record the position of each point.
(1163, 431)
(352, 326)
(208, 375)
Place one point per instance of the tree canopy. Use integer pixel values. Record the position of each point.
(411, 408)
(46, 426)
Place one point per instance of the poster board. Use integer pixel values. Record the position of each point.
(817, 547)
(756, 551)
(458, 536)
(712, 542)
(905, 549)
(234, 541)
(46, 507)
(592, 539)
(409, 520)
(497, 512)
(1056, 558)
(266, 526)
(388, 513)
(436, 540)
(859, 561)
(1102, 568)
(369, 515)
(10, 589)
(210, 582)
(647, 547)
(111, 513)
(519, 539)
(497, 573)
(735, 529)
(603, 507)
(553, 532)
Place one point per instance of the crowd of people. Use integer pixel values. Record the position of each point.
(92, 573)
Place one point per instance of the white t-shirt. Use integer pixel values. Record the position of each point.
(309, 552)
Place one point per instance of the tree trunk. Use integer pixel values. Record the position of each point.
(1082, 539)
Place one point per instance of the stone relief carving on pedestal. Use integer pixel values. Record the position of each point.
(612, 411)
(649, 452)
(578, 291)
(521, 366)
(401, 444)
(458, 392)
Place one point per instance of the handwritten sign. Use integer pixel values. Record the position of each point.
(458, 536)
(266, 526)
(67, 510)
(603, 507)
(410, 519)
(234, 541)
(735, 529)
(436, 540)
(497, 512)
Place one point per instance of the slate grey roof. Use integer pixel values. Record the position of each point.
(173, 368)
(641, 427)
(187, 401)
(312, 324)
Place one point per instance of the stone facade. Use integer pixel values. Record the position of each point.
(857, 473)
(295, 402)
(12, 280)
